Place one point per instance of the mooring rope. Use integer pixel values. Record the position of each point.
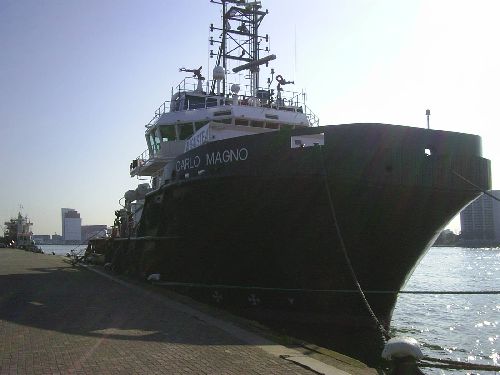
(476, 186)
(78, 256)
(305, 290)
(458, 365)
(384, 334)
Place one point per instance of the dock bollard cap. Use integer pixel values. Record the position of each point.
(154, 277)
(400, 347)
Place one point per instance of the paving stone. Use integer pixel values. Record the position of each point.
(56, 319)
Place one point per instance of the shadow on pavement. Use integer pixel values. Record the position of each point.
(59, 297)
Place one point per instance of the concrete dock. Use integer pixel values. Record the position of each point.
(60, 319)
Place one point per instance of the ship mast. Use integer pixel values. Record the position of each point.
(240, 39)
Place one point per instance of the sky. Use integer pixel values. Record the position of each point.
(80, 79)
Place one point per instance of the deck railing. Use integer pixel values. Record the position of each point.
(291, 101)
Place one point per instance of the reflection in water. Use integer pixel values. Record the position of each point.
(459, 327)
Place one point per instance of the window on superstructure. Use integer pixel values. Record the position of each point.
(212, 102)
(257, 124)
(157, 142)
(168, 133)
(185, 130)
(151, 142)
(240, 121)
(195, 102)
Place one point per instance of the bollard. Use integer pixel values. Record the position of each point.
(154, 277)
(403, 353)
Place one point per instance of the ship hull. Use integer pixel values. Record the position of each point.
(283, 235)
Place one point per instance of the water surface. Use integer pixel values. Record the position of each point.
(458, 327)
(62, 249)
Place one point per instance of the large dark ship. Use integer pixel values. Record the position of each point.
(255, 207)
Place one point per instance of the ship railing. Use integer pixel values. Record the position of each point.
(165, 106)
(185, 86)
(289, 101)
(311, 116)
(158, 155)
(139, 162)
(144, 155)
(147, 155)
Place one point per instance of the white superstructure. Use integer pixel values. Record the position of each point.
(216, 109)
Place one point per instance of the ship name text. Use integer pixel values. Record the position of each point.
(188, 163)
(226, 156)
(212, 158)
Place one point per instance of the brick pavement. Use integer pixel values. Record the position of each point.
(56, 319)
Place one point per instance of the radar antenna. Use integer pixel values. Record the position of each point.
(281, 82)
(196, 72)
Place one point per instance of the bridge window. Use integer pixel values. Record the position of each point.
(168, 133)
(153, 142)
(185, 130)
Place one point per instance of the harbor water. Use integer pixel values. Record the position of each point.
(463, 327)
(460, 327)
(63, 249)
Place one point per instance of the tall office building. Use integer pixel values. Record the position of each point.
(63, 212)
(71, 225)
(480, 221)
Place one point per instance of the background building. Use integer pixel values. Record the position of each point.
(64, 211)
(41, 239)
(480, 221)
(71, 225)
(57, 239)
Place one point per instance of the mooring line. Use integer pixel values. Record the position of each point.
(383, 332)
(476, 186)
(458, 365)
(78, 256)
(346, 291)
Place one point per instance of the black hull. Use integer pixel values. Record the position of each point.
(258, 236)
